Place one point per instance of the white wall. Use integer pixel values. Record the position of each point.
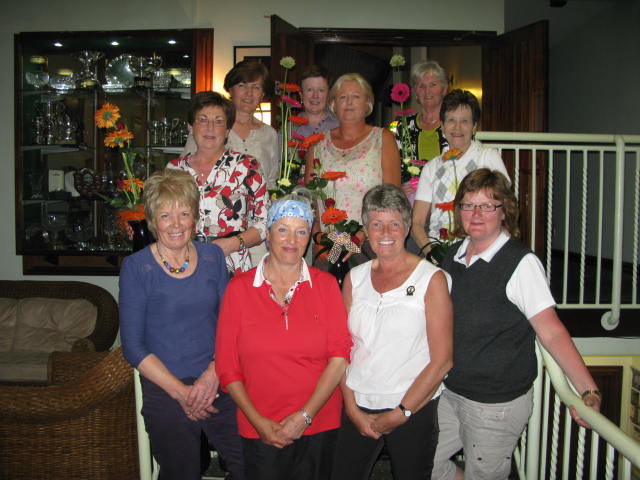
(237, 23)
(594, 62)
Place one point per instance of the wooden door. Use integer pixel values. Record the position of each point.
(515, 99)
(287, 40)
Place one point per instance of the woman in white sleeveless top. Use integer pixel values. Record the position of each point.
(400, 319)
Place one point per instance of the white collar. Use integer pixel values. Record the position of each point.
(486, 255)
(259, 279)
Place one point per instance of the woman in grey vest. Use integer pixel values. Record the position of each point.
(501, 302)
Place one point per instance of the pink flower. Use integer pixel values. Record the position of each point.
(404, 113)
(291, 101)
(297, 136)
(419, 163)
(414, 182)
(400, 92)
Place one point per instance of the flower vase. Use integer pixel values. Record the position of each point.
(340, 268)
(141, 234)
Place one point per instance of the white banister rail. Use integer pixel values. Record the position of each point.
(591, 213)
(542, 454)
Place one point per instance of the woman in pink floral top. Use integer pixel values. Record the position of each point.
(233, 193)
(368, 155)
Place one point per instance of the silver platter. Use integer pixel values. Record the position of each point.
(118, 73)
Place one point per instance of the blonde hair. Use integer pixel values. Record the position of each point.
(352, 77)
(173, 187)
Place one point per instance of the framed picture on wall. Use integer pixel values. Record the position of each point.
(259, 53)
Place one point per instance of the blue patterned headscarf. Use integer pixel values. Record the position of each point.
(289, 208)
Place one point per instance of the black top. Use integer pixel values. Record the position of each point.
(494, 357)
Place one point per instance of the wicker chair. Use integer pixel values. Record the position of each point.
(106, 329)
(82, 429)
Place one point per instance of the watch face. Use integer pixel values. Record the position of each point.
(407, 413)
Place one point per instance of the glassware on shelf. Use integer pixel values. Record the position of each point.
(161, 79)
(37, 79)
(36, 183)
(62, 83)
(87, 78)
(144, 69)
(55, 223)
(79, 229)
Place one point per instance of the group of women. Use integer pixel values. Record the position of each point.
(287, 376)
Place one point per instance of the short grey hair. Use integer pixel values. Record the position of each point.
(386, 197)
(419, 69)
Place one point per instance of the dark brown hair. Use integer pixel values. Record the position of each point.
(208, 98)
(311, 71)
(456, 98)
(249, 71)
(496, 186)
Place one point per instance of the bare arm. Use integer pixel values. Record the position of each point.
(154, 370)
(390, 159)
(439, 325)
(420, 223)
(270, 431)
(251, 237)
(556, 339)
(294, 424)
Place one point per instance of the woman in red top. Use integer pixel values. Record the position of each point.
(282, 347)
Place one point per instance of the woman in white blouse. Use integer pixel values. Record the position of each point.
(401, 322)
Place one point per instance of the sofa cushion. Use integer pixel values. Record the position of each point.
(8, 314)
(24, 367)
(48, 324)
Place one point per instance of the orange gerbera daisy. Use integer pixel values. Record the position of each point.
(107, 116)
(331, 216)
(291, 87)
(118, 138)
(298, 120)
(125, 215)
(446, 206)
(311, 140)
(333, 175)
(128, 183)
(451, 154)
(292, 143)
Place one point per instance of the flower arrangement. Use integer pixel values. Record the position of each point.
(340, 235)
(128, 196)
(400, 93)
(440, 246)
(292, 142)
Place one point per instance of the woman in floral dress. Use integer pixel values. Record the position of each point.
(233, 192)
(368, 155)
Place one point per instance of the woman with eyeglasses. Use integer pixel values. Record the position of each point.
(233, 191)
(440, 177)
(501, 302)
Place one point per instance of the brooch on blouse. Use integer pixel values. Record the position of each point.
(410, 290)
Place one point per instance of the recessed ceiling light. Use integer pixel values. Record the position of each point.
(57, 44)
(186, 55)
(172, 42)
(37, 59)
(115, 43)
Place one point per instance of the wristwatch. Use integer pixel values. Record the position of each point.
(405, 411)
(307, 418)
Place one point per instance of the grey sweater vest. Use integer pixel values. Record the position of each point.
(494, 357)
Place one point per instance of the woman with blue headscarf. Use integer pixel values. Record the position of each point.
(282, 346)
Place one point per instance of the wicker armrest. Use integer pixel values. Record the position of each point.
(51, 403)
(66, 367)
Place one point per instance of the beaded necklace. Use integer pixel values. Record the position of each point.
(171, 269)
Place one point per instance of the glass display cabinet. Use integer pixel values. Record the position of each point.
(65, 175)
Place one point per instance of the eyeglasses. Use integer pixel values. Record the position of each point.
(485, 207)
(217, 122)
